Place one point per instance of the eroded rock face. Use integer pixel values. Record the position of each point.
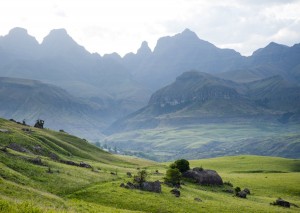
(204, 177)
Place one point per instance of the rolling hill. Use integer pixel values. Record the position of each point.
(46, 171)
(30, 100)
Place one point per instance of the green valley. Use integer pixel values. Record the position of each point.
(46, 171)
(210, 140)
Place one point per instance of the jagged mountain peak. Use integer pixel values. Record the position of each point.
(59, 43)
(271, 48)
(20, 44)
(144, 49)
(19, 36)
(187, 33)
(58, 36)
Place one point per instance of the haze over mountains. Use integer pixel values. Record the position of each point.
(107, 88)
(197, 97)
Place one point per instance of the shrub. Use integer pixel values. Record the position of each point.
(183, 165)
(228, 183)
(173, 176)
(237, 189)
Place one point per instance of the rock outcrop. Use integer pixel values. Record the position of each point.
(145, 186)
(204, 177)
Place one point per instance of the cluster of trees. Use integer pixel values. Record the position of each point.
(174, 173)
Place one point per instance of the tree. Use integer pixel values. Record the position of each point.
(39, 124)
(141, 177)
(173, 176)
(183, 165)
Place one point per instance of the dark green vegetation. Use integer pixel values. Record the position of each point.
(52, 185)
(182, 165)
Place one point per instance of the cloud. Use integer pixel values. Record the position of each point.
(120, 26)
(242, 25)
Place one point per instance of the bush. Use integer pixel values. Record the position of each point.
(237, 189)
(173, 176)
(228, 183)
(183, 165)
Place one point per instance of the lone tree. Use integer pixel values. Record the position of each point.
(183, 165)
(140, 177)
(39, 124)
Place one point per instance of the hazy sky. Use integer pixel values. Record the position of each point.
(106, 26)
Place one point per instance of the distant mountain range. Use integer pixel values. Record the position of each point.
(185, 51)
(61, 61)
(265, 83)
(197, 97)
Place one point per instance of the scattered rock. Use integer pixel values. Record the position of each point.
(4, 130)
(175, 192)
(18, 148)
(197, 199)
(85, 165)
(151, 186)
(247, 191)
(72, 163)
(129, 174)
(204, 177)
(146, 186)
(37, 161)
(130, 185)
(241, 194)
(27, 130)
(53, 156)
(281, 202)
(37, 149)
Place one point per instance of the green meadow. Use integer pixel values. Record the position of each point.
(54, 186)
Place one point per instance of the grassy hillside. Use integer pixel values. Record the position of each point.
(51, 185)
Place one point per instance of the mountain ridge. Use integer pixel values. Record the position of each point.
(200, 97)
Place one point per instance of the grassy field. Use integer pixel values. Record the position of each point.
(210, 140)
(29, 187)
